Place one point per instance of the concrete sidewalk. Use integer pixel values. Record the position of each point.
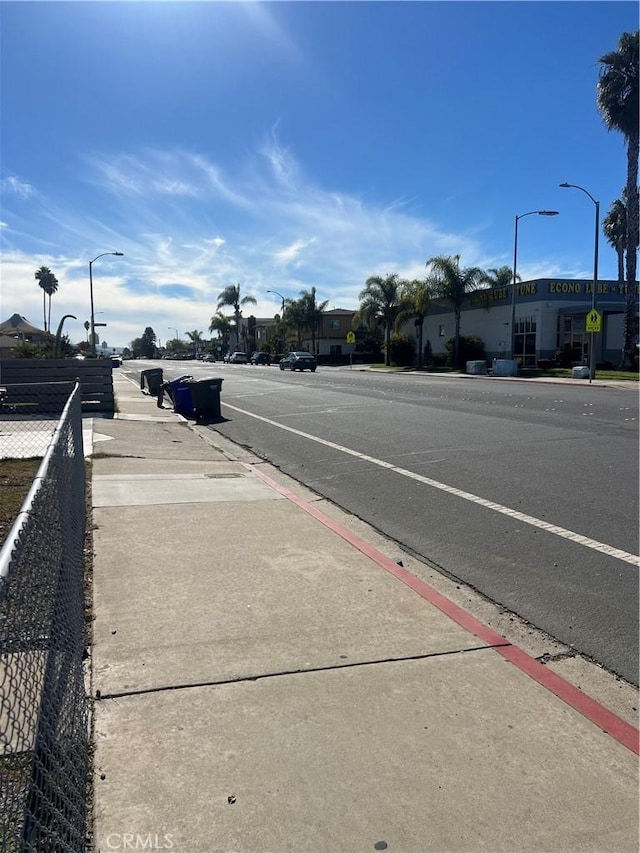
(267, 681)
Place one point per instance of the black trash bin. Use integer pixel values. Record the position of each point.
(151, 381)
(205, 394)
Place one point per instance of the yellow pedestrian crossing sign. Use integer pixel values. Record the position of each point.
(594, 321)
(351, 338)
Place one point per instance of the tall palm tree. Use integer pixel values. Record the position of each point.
(49, 284)
(614, 228)
(222, 325)
(416, 298)
(452, 284)
(313, 311)
(382, 297)
(617, 99)
(231, 297)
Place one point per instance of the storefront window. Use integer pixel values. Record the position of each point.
(525, 341)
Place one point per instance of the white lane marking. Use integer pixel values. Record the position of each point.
(578, 538)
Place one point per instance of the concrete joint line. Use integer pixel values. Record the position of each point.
(242, 679)
(598, 714)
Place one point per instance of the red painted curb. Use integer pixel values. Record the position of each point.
(615, 726)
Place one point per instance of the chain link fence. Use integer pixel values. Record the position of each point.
(44, 736)
(29, 415)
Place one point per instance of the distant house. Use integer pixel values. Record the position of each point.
(17, 330)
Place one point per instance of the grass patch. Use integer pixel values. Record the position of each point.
(565, 373)
(16, 478)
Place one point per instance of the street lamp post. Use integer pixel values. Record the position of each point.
(282, 309)
(515, 272)
(592, 362)
(281, 297)
(92, 321)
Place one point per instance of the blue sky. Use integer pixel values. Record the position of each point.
(290, 145)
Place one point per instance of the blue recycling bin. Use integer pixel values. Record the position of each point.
(182, 400)
(171, 387)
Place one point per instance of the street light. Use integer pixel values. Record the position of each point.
(281, 297)
(515, 264)
(93, 325)
(592, 363)
(173, 329)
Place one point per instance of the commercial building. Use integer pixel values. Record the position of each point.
(550, 315)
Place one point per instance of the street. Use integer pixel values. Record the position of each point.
(527, 492)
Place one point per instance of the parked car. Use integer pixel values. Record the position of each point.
(299, 361)
(261, 358)
(208, 357)
(238, 358)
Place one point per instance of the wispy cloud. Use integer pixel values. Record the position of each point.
(14, 186)
(188, 226)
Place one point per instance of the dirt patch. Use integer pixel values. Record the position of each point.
(16, 478)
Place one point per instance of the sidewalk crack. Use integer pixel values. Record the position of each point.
(288, 672)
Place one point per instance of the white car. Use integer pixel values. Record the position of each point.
(238, 358)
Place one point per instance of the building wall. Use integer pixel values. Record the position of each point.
(546, 302)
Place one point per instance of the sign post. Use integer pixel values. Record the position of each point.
(593, 325)
(351, 339)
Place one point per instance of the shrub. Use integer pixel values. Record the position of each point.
(471, 348)
(439, 359)
(402, 350)
(568, 355)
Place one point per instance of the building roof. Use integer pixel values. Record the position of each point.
(17, 324)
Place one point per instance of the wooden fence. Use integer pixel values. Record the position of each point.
(94, 374)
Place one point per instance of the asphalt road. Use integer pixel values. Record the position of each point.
(528, 492)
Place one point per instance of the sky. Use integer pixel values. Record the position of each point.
(286, 145)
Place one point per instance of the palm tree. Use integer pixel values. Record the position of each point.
(500, 277)
(617, 99)
(313, 313)
(195, 337)
(382, 297)
(222, 325)
(614, 228)
(296, 317)
(416, 298)
(87, 326)
(49, 284)
(231, 297)
(452, 285)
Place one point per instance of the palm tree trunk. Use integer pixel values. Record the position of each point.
(387, 338)
(49, 311)
(620, 254)
(630, 319)
(44, 307)
(420, 353)
(456, 339)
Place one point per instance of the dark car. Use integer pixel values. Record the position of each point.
(261, 358)
(299, 361)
